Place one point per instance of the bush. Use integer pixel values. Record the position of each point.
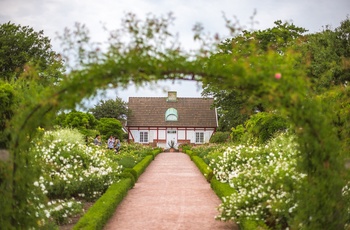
(221, 189)
(98, 215)
(127, 162)
(128, 175)
(220, 137)
(185, 147)
(203, 167)
(110, 127)
(263, 126)
(142, 165)
(132, 172)
(237, 133)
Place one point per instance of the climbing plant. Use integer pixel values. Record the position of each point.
(146, 50)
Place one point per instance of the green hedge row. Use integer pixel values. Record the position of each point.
(221, 189)
(189, 152)
(155, 152)
(203, 167)
(98, 215)
(142, 165)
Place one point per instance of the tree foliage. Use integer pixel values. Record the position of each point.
(76, 119)
(329, 55)
(7, 109)
(110, 109)
(22, 46)
(110, 127)
(234, 106)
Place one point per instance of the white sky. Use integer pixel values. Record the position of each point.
(54, 15)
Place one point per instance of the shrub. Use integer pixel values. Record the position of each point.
(266, 181)
(237, 133)
(263, 126)
(142, 165)
(185, 147)
(220, 137)
(222, 190)
(203, 167)
(98, 215)
(127, 162)
(132, 172)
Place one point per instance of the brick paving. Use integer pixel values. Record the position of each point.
(170, 194)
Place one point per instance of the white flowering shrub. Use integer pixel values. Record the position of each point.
(265, 179)
(60, 210)
(72, 170)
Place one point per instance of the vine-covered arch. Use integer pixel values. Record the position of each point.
(270, 77)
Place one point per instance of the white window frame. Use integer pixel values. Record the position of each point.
(200, 137)
(143, 137)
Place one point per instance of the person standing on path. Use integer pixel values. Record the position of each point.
(117, 145)
(111, 142)
(97, 140)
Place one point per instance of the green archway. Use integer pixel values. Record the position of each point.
(269, 77)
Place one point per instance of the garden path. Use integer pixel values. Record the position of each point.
(171, 194)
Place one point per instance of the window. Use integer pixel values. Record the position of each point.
(199, 137)
(143, 137)
(171, 115)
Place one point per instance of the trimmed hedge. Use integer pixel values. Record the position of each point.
(132, 172)
(221, 189)
(189, 152)
(127, 173)
(157, 151)
(203, 167)
(98, 215)
(142, 165)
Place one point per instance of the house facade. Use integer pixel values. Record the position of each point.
(160, 120)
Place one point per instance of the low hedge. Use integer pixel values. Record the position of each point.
(189, 152)
(132, 172)
(203, 167)
(221, 189)
(142, 165)
(98, 215)
(129, 173)
(157, 151)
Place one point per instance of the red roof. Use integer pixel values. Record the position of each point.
(192, 112)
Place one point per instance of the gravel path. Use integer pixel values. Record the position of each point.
(170, 194)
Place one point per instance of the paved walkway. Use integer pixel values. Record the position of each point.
(170, 194)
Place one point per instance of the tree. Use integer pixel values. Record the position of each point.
(110, 127)
(8, 103)
(235, 107)
(110, 109)
(329, 54)
(230, 105)
(21, 47)
(76, 119)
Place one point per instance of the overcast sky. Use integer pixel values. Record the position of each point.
(54, 15)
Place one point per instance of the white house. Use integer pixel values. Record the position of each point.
(159, 120)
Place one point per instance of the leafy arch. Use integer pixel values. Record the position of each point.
(269, 77)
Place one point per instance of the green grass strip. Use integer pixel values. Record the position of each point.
(98, 215)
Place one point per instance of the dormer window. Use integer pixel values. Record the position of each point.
(171, 115)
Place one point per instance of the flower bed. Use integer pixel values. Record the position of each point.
(73, 173)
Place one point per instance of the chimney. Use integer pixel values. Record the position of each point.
(172, 96)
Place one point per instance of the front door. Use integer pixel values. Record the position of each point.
(171, 138)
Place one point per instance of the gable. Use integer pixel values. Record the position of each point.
(189, 112)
